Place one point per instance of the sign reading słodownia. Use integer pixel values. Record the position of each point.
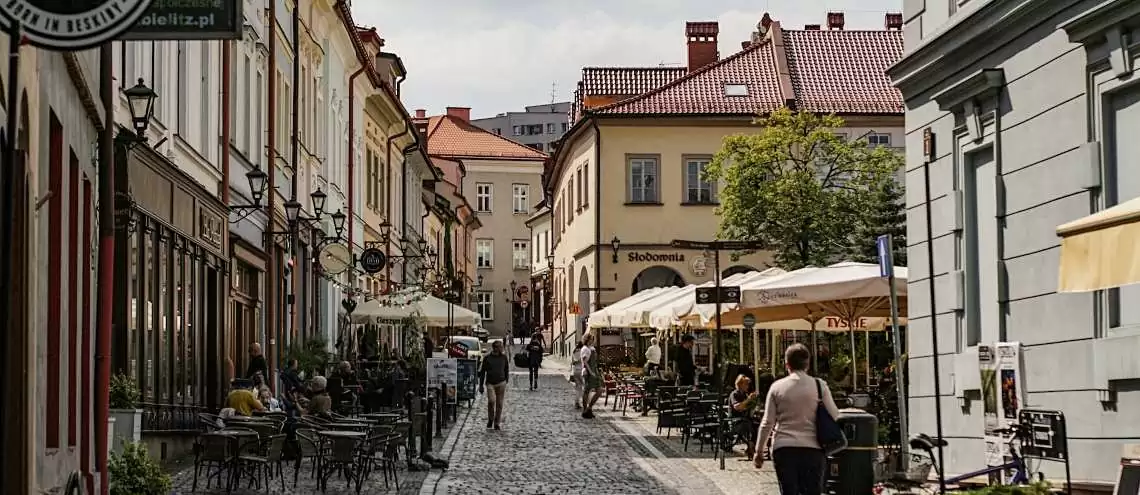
(188, 20)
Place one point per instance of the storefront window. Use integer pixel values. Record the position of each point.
(177, 343)
(150, 288)
(133, 309)
(162, 306)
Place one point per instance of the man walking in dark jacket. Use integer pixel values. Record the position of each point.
(495, 373)
(534, 360)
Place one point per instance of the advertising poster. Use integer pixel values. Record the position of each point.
(443, 371)
(466, 370)
(987, 364)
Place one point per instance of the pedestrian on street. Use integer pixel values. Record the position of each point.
(257, 362)
(576, 374)
(790, 410)
(495, 373)
(652, 357)
(686, 369)
(591, 376)
(534, 360)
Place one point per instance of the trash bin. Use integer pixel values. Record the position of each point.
(851, 471)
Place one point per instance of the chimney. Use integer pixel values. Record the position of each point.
(421, 113)
(745, 44)
(702, 38)
(893, 21)
(811, 27)
(835, 20)
(462, 113)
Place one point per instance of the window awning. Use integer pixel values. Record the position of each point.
(1102, 250)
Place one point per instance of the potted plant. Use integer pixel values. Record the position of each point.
(312, 356)
(133, 472)
(124, 410)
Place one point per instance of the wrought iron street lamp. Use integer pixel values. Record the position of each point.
(140, 101)
(257, 184)
(615, 243)
(319, 199)
(338, 220)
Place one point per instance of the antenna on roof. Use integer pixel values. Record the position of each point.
(553, 91)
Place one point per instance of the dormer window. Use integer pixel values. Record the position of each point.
(732, 89)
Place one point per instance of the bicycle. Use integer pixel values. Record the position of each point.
(921, 441)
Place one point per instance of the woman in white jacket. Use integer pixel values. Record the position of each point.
(652, 356)
(576, 374)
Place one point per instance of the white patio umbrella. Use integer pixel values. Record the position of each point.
(433, 310)
(602, 318)
(671, 312)
(637, 315)
(846, 290)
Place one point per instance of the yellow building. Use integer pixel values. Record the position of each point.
(625, 181)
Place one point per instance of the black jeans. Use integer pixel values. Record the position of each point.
(533, 374)
(799, 470)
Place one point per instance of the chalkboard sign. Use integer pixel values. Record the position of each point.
(466, 371)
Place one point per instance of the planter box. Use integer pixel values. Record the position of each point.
(127, 427)
(110, 435)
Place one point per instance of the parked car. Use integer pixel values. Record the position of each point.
(472, 346)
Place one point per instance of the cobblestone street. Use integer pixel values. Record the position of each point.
(545, 447)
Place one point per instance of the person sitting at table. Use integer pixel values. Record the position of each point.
(243, 402)
(266, 398)
(742, 405)
(320, 404)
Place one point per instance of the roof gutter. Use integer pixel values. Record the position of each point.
(597, 215)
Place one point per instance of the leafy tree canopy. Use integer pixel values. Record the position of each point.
(799, 189)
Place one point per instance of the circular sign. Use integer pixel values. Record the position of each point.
(373, 260)
(335, 259)
(73, 24)
(749, 320)
(524, 304)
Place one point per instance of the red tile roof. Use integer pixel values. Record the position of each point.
(703, 91)
(838, 71)
(452, 137)
(832, 71)
(620, 83)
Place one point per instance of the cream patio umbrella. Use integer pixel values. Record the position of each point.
(846, 290)
(603, 318)
(638, 315)
(672, 312)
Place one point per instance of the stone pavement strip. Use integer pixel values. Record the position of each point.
(545, 447)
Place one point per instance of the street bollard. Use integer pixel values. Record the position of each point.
(425, 425)
(446, 401)
(440, 403)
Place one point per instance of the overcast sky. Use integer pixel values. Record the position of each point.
(501, 55)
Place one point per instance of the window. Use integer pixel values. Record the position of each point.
(564, 127)
(520, 254)
(877, 140)
(485, 304)
(537, 146)
(247, 125)
(520, 197)
(698, 190)
(643, 180)
(182, 121)
(586, 185)
(498, 131)
(484, 253)
(517, 130)
(534, 129)
(56, 283)
(571, 201)
(578, 176)
(735, 89)
(484, 197)
(258, 151)
(550, 128)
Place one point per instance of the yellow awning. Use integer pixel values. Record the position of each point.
(1102, 250)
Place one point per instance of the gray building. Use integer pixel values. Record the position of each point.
(1030, 114)
(539, 127)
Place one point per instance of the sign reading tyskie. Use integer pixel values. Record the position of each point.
(70, 24)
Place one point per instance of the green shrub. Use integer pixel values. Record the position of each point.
(124, 392)
(1039, 488)
(133, 472)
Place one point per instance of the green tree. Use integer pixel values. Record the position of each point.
(886, 215)
(798, 188)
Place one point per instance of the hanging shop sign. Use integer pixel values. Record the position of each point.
(71, 25)
(188, 20)
(335, 258)
(373, 260)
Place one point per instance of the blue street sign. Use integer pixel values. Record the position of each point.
(886, 265)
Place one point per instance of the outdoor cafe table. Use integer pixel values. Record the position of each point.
(347, 425)
(383, 417)
(341, 434)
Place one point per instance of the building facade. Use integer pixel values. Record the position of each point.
(1026, 110)
(500, 179)
(541, 310)
(626, 180)
(539, 126)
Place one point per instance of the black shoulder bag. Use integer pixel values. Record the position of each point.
(827, 430)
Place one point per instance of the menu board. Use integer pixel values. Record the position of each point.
(443, 371)
(466, 372)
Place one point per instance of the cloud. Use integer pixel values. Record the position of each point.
(499, 55)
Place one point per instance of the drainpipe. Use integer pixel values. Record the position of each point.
(295, 158)
(225, 159)
(388, 197)
(106, 270)
(352, 153)
(272, 277)
(597, 217)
